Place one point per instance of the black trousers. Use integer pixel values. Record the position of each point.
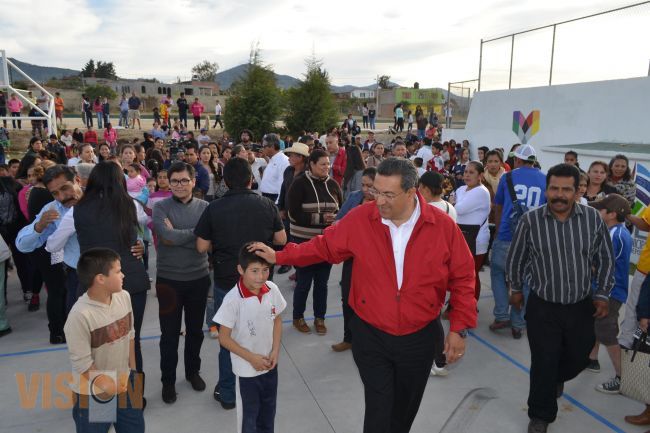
(560, 339)
(173, 298)
(182, 116)
(197, 122)
(54, 279)
(394, 371)
(217, 119)
(346, 283)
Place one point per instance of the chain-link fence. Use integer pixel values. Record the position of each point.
(607, 45)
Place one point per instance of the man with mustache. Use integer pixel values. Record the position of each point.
(63, 183)
(559, 249)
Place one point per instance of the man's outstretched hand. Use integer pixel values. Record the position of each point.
(263, 250)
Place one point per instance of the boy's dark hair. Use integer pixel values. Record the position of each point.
(246, 258)
(418, 162)
(179, 167)
(237, 173)
(13, 161)
(572, 153)
(93, 262)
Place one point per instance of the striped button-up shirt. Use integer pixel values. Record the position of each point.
(559, 259)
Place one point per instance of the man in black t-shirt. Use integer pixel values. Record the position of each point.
(183, 106)
(240, 216)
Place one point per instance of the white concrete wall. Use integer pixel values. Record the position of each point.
(616, 111)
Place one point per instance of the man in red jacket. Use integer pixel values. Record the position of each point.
(407, 255)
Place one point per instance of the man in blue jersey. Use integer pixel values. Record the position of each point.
(528, 186)
(614, 208)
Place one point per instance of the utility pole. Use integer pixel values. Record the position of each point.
(377, 98)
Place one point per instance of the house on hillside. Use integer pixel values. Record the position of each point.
(151, 88)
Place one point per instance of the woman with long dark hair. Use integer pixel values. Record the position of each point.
(106, 217)
(620, 177)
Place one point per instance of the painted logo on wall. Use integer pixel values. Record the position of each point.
(525, 127)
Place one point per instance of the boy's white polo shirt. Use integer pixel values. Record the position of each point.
(251, 319)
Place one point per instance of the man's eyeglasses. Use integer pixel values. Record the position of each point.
(390, 196)
(176, 182)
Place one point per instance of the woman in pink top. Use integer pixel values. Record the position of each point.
(110, 136)
(98, 108)
(15, 105)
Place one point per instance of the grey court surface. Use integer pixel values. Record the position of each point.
(319, 390)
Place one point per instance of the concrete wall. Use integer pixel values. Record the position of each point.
(615, 111)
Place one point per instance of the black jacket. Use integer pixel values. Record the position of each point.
(98, 228)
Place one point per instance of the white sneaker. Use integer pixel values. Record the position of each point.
(438, 371)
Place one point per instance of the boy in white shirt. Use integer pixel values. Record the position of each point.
(100, 336)
(251, 329)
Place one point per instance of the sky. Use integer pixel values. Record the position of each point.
(431, 42)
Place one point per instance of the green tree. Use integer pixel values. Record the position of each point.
(88, 69)
(311, 105)
(254, 101)
(99, 91)
(384, 82)
(105, 70)
(205, 71)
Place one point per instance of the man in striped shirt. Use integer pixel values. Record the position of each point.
(558, 249)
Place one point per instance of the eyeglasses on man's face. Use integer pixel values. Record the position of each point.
(390, 196)
(175, 182)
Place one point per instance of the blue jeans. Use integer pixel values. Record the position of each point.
(129, 419)
(372, 122)
(319, 273)
(502, 309)
(226, 383)
(73, 288)
(124, 115)
(100, 118)
(421, 134)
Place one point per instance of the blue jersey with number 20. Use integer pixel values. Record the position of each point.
(530, 187)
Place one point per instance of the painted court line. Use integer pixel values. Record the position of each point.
(150, 337)
(478, 338)
(526, 370)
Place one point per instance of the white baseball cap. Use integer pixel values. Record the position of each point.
(526, 152)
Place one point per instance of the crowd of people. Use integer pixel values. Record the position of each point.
(413, 219)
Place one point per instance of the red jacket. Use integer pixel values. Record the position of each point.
(338, 169)
(437, 260)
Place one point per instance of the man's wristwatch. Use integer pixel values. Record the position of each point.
(463, 333)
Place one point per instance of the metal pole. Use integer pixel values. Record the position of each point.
(377, 99)
(512, 52)
(480, 65)
(550, 74)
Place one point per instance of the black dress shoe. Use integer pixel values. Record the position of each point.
(537, 426)
(516, 333)
(5, 332)
(57, 339)
(217, 396)
(169, 393)
(197, 383)
(284, 269)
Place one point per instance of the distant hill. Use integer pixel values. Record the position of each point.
(224, 78)
(229, 76)
(40, 74)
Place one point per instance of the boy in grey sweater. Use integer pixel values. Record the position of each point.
(182, 279)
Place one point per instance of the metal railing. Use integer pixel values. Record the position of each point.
(579, 38)
(49, 116)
